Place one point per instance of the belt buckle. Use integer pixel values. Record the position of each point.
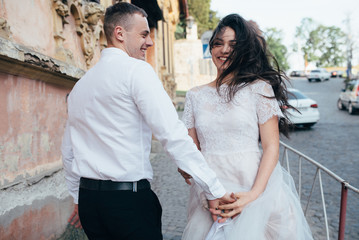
(134, 187)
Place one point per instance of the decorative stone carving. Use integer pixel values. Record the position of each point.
(87, 16)
(93, 13)
(4, 29)
(62, 12)
(90, 29)
(168, 82)
(61, 9)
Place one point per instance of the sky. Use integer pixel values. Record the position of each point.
(286, 15)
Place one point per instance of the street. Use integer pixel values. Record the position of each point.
(333, 142)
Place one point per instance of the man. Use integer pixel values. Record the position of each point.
(112, 112)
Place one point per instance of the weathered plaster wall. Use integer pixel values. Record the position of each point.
(30, 23)
(69, 32)
(41, 57)
(31, 127)
(35, 211)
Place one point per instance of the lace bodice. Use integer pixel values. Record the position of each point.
(228, 127)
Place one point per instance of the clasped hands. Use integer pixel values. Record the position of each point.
(228, 206)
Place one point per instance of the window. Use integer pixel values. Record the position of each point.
(296, 95)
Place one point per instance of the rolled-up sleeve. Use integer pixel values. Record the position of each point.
(159, 113)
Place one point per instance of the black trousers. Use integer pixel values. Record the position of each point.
(120, 215)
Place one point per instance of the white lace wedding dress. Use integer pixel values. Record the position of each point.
(228, 134)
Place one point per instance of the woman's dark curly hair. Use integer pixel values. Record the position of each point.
(250, 60)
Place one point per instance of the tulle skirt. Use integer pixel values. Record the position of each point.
(276, 214)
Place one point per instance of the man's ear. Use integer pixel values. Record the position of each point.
(119, 33)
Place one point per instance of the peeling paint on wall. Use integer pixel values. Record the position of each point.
(35, 209)
(31, 127)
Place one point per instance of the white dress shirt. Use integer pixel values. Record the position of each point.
(112, 112)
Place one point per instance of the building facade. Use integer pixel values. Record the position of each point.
(45, 47)
(192, 69)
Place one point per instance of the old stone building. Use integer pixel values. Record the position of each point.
(45, 47)
(192, 69)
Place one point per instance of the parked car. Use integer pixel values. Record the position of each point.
(319, 74)
(349, 97)
(297, 74)
(334, 74)
(308, 114)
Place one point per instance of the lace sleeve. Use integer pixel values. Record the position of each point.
(266, 107)
(187, 117)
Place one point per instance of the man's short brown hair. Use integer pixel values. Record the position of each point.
(120, 14)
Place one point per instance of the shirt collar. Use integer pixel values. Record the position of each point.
(113, 50)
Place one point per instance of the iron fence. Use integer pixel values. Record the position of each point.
(319, 168)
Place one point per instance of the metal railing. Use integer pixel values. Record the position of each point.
(345, 186)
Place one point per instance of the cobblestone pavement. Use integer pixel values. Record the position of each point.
(173, 193)
(333, 142)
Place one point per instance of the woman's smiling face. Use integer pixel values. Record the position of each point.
(223, 45)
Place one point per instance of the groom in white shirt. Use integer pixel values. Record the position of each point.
(113, 110)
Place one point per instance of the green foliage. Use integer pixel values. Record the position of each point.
(307, 25)
(320, 44)
(213, 21)
(330, 46)
(180, 32)
(181, 93)
(276, 47)
(205, 18)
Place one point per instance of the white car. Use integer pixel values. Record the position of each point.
(319, 74)
(308, 114)
(349, 98)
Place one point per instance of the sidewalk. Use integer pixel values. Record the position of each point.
(172, 191)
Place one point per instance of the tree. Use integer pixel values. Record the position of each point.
(302, 34)
(181, 28)
(320, 44)
(276, 47)
(206, 19)
(331, 46)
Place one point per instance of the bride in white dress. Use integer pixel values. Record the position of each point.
(228, 119)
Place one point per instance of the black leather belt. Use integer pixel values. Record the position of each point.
(108, 185)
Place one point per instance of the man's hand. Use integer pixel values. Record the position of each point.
(235, 208)
(74, 219)
(215, 204)
(185, 175)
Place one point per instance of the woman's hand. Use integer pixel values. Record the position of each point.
(215, 204)
(232, 210)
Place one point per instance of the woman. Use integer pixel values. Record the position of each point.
(227, 119)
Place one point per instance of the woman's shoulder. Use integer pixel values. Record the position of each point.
(259, 83)
(197, 89)
(262, 87)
